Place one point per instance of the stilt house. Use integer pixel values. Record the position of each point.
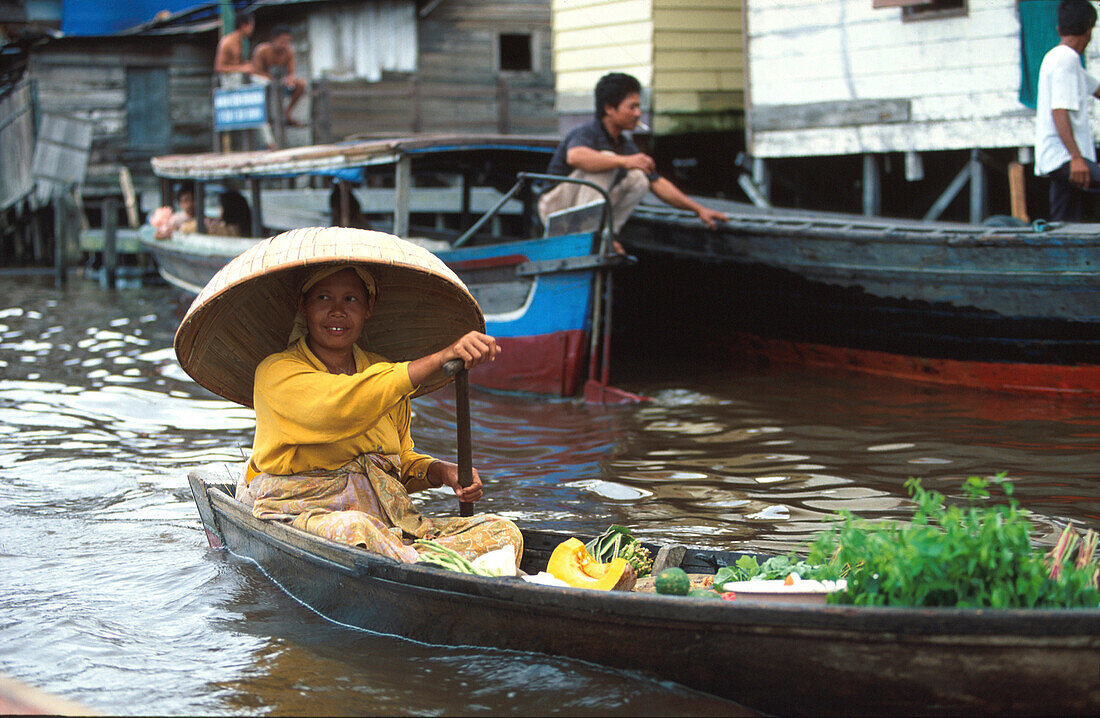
(896, 106)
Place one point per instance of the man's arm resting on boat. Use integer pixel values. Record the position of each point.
(671, 194)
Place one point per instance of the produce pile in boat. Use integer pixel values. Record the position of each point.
(977, 555)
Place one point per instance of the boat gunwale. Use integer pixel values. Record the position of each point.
(955, 625)
(884, 232)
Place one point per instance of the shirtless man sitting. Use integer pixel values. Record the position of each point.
(229, 60)
(279, 53)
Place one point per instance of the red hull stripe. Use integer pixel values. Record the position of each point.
(542, 364)
(1078, 380)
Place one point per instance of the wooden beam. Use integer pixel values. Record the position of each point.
(200, 208)
(1017, 191)
(872, 186)
(845, 113)
(257, 208)
(948, 195)
(110, 242)
(402, 190)
(978, 194)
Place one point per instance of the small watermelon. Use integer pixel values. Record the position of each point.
(704, 593)
(673, 582)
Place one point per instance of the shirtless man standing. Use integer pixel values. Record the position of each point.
(279, 52)
(229, 60)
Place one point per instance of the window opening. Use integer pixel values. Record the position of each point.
(515, 52)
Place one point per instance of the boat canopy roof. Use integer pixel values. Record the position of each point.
(332, 158)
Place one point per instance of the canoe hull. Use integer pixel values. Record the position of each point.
(785, 659)
(963, 305)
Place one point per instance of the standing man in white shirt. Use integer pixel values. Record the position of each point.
(1064, 147)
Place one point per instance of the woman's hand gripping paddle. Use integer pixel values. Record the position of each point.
(455, 368)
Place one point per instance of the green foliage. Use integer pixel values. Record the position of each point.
(967, 556)
(747, 568)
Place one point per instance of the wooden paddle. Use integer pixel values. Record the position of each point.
(456, 369)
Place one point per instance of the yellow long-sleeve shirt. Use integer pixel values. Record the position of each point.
(308, 418)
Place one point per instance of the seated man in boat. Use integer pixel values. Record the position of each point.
(333, 453)
(276, 57)
(600, 151)
(1064, 147)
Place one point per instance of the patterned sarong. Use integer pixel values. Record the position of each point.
(363, 503)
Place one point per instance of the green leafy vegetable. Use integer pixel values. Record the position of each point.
(618, 542)
(436, 554)
(965, 556)
(747, 568)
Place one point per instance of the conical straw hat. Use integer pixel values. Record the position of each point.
(246, 311)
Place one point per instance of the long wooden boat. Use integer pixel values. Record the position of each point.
(1008, 308)
(541, 297)
(784, 658)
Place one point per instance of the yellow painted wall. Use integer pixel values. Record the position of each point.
(594, 37)
(688, 54)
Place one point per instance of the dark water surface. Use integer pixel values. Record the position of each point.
(110, 596)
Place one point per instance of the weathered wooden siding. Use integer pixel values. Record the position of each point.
(959, 77)
(698, 65)
(458, 86)
(688, 55)
(16, 144)
(86, 78)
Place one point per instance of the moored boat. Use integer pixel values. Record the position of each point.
(998, 307)
(782, 658)
(541, 297)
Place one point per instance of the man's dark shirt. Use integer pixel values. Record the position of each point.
(591, 134)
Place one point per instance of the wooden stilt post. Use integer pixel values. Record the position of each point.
(60, 235)
(977, 188)
(257, 208)
(402, 190)
(872, 186)
(345, 204)
(110, 243)
(200, 208)
(1017, 191)
(762, 179)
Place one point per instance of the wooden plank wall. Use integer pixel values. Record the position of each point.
(457, 86)
(959, 75)
(698, 65)
(16, 144)
(594, 37)
(86, 79)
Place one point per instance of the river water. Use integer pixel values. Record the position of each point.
(110, 596)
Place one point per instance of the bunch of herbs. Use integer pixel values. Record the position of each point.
(958, 556)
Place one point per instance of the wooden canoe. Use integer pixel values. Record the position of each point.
(777, 658)
(1006, 308)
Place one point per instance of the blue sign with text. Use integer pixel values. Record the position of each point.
(244, 108)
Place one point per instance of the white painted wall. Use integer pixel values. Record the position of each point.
(962, 75)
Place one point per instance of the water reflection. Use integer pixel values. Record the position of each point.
(109, 595)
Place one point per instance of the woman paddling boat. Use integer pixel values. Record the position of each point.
(333, 454)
